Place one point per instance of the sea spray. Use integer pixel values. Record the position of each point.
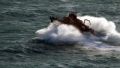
(55, 33)
(105, 33)
(99, 24)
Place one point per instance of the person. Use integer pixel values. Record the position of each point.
(72, 19)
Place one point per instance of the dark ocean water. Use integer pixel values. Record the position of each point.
(20, 19)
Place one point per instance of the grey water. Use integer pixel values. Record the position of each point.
(20, 19)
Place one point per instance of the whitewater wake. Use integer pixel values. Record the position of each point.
(106, 36)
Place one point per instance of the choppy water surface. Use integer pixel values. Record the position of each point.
(29, 40)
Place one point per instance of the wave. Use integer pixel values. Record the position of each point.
(106, 37)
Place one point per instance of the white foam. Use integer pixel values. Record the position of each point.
(105, 32)
(56, 32)
(99, 24)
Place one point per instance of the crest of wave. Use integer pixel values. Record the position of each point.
(57, 32)
(104, 31)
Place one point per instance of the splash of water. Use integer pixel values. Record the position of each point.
(105, 32)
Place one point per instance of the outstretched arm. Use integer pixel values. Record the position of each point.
(52, 18)
(87, 20)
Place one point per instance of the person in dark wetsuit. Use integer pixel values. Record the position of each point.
(80, 24)
(72, 20)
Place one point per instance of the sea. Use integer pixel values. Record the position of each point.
(28, 39)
